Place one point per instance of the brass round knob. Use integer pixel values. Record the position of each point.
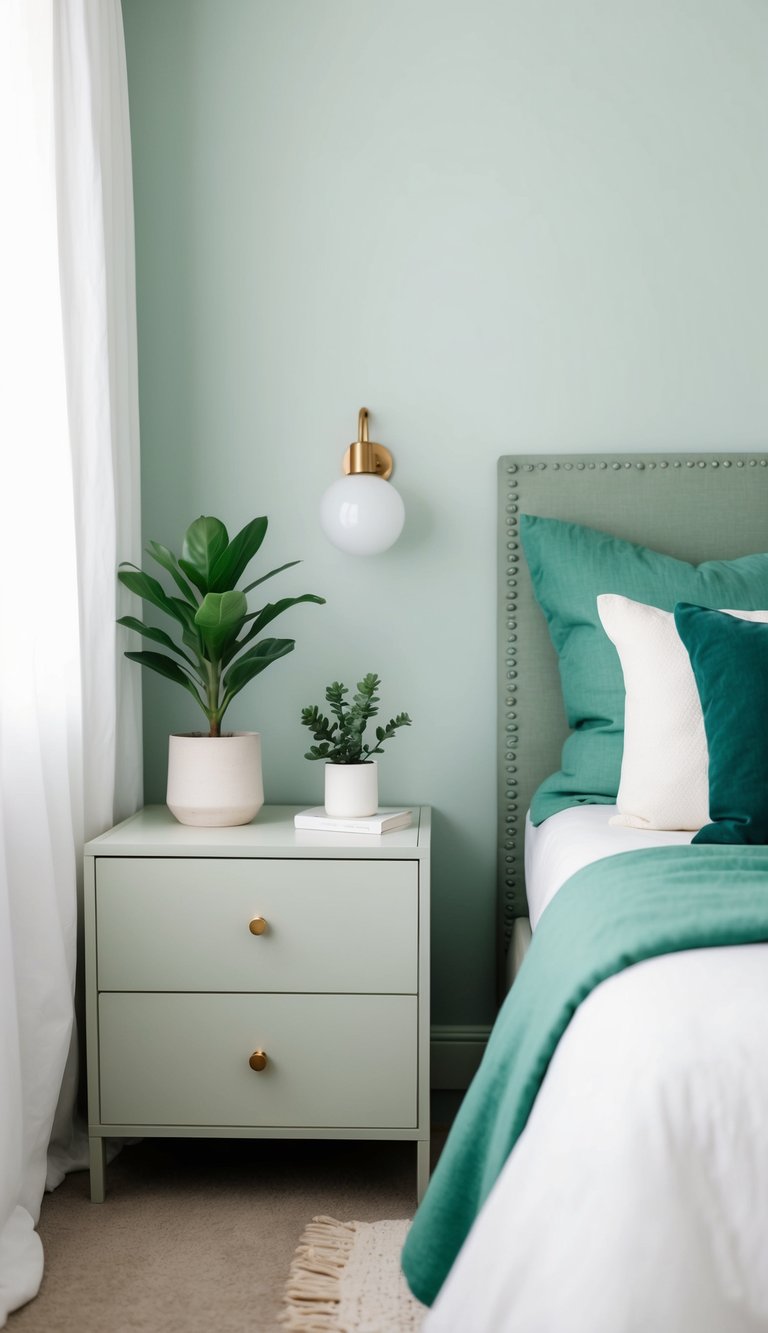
(257, 926)
(258, 1061)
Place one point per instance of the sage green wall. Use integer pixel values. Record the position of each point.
(499, 224)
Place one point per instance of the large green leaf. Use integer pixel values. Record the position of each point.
(233, 561)
(135, 580)
(204, 542)
(254, 662)
(267, 614)
(168, 561)
(194, 641)
(220, 617)
(165, 666)
(191, 637)
(270, 575)
(185, 612)
(157, 635)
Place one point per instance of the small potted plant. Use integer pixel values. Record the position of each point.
(351, 772)
(214, 778)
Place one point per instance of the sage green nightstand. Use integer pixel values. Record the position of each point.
(257, 982)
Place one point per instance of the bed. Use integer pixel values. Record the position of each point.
(608, 1170)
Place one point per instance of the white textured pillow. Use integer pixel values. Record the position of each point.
(664, 769)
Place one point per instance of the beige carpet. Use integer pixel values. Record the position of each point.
(346, 1278)
(197, 1236)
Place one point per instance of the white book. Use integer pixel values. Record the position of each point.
(382, 822)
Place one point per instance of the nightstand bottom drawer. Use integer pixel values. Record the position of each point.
(333, 1061)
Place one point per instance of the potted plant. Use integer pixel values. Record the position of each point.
(351, 772)
(214, 778)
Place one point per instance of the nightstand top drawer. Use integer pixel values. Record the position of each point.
(186, 924)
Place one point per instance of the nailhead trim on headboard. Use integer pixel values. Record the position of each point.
(512, 889)
(512, 833)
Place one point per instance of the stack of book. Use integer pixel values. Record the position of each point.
(384, 821)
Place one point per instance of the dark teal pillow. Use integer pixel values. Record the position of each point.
(570, 566)
(729, 658)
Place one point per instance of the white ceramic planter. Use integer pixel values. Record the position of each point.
(215, 781)
(351, 790)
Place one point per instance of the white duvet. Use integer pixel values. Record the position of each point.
(637, 1197)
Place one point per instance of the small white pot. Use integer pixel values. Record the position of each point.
(215, 781)
(351, 790)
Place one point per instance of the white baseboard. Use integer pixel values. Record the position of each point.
(456, 1053)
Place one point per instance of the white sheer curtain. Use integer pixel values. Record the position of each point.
(69, 510)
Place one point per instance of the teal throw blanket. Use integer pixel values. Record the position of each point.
(615, 912)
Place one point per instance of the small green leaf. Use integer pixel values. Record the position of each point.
(321, 727)
(318, 752)
(334, 695)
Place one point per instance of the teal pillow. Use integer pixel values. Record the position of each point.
(729, 658)
(570, 566)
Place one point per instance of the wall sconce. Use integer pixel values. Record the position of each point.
(362, 513)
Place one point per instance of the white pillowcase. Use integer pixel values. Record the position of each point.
(664, 769)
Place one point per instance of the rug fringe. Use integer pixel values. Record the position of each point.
(313, 1289)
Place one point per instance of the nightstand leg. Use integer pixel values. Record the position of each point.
(98, 1163)
(422, 1168)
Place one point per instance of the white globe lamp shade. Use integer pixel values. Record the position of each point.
(362, 514)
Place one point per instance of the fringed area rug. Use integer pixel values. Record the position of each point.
(345, 1278)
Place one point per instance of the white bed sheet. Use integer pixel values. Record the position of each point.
(573, 838)
(636, 1200)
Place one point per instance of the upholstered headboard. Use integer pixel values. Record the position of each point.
(692, 506)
